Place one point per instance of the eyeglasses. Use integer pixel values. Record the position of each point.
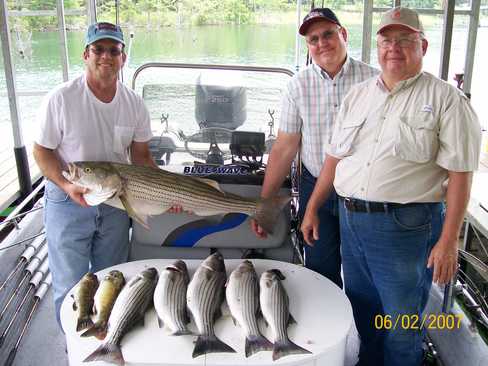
(325, 36)
(401, 42)
(113, 51)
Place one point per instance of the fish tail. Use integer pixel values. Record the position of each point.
(257, 343)
(268, 210)
(181, 332)
(83, 323)
(107, 352)
(210, 344)
(99, 330)
(285, 348)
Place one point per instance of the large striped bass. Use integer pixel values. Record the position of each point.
(129, 309)
(242, 293)
(274, 305)
(105, 297)
(83, 300)
(204, 297)
(144, 191)
(170, 298)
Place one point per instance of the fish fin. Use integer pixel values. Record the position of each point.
(257, 343)
(268, 210)
(211, 183)
(218, 313)
(94, 310)
(210, 344)
(75, 307)
(278, 274)
(285, 348)
(98, 330)
(235, 321)
(84, 323)
(141, 219)
(291, 319)
(107, 352)
(187, 317)
(160, 322)
(181, 332)
(140, 322)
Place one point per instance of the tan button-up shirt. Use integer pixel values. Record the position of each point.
(398, 146)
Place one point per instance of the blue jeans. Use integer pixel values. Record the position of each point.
(325, 256)
(384, 258)
(81, 239)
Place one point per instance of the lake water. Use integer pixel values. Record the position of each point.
(264, 45)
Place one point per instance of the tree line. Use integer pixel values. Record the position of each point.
(158, 13)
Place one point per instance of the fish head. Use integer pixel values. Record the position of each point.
(214, 262)
(271, 277)
(95, 175)
(116, 277)
(179, 268)
(150, 274)
(89, 279)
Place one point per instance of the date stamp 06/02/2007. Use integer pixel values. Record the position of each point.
(414, 321)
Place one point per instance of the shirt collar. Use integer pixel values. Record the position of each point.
(344, 69)
(401, 85)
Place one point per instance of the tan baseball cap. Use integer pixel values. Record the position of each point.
(401, 16)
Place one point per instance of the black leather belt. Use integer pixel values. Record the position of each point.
(356, 205)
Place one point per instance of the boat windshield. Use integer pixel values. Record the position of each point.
(199, 114)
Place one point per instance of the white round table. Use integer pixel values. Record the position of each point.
(322, 311)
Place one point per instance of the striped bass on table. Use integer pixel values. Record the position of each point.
(242, 293)
(105, 297)
(128, 310)
(170, 298)
(274, 303)
(145, 191)
(83, 297)
(204, 298)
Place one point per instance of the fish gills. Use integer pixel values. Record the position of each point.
(170, 298)
(204, 298)
(242, 293)
(83, 300)
(105, 298)
(128, 310)
(275, 307)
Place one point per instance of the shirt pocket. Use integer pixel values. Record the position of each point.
(416, 139)
(346, 136)
(123, 136)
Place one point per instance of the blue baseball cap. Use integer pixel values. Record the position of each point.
(104, 30)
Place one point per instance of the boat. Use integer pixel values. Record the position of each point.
(222, 127)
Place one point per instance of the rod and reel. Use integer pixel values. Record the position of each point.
(38, 296)
(33, 284)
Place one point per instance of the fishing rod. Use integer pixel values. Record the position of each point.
(24, 258)
(38, 296)
(29, 270)
(22, 241)
(34, 282)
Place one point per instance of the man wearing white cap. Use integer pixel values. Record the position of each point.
(310, 105)
(403, 143)
(93, 117)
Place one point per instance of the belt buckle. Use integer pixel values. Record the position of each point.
(349, 204)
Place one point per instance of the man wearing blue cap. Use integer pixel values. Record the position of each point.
(309, 108)
(93, 117)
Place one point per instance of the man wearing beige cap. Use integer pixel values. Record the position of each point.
(310, 105)
(403, 143)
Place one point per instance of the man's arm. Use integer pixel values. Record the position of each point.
(279, 162)
(141, 155)
(444, 254)
(50, 167)
(322, 189)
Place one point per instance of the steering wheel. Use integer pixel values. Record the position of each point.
(211, 137)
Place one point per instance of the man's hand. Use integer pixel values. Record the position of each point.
(76, 193)
(258, 230)
(310, 227)
(444, 259)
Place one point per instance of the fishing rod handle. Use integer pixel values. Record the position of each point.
(39, 274)
(33, 247)
(43, 287)
(36, 260)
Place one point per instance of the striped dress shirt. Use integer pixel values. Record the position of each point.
(310, 105)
